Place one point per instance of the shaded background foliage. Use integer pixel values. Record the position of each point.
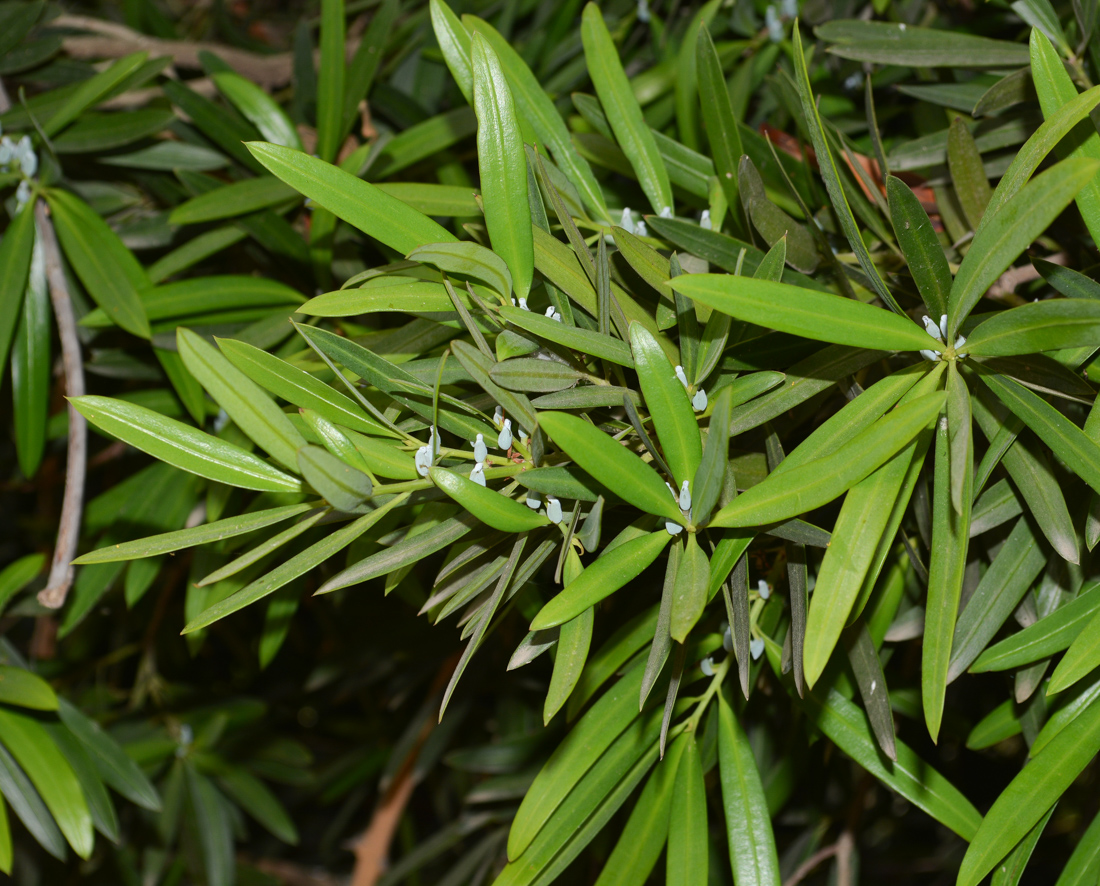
(327, 724)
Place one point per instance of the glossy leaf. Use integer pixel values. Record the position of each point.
(817, 315)
(488, 505)
(15, 264)
(690, 595)
(341, 485)
(182, 446)
(687, 856)
(1039, 326)
(923, 254)
(260, 109)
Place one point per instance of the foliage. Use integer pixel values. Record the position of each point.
(774, 442)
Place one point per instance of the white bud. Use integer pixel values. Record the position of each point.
(504, 438)
(433, 443)
(627, 220)
(727, 640)
(557, 316)
(931, 328)
(666, 212)
(756, 648)
(23, 193)
(673, 528)
(699, 401)
(680, 374)
(704, 219)
(959, 342)
(931, 356)
(481, 451)
(943, 325)
(533, 501)
(675, 496)
(685, 497)
(773, 24)
(478, 474)
(498, 416)
(523, 304)
(643, 12)
(763, 589)
(641, 230)
(423, 460)
(553, 509)
(707, 666)
(550, 312)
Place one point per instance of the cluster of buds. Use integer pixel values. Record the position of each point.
(683, 501)
(939, 333)
(19, 154)
(699, 399)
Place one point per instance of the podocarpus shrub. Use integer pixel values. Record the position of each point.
(710, 402)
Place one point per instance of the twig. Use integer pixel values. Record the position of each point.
(68, 533)
(810, 863)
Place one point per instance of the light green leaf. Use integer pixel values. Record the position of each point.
(923, 253)
(719, 120)
(801, 489)
(454, 41)
(1084, 863)
(1082, 656)
(806, 312)
(689, 596)
(246, 403)
(330, 82)
(752, 849)
(488, 505)
(108, 270)
(602, 578)
(711, 473)
(467, 259)
(341, 485)
(503, 167)
(26, 690)
(1030, 794)
(899, 44)
(574, 639)
(688, 843)
(1037, 326)
(1009, 229)
(964, 160)
(623, 112)
(360, 204)
(15, 265)
(183, 446)
(52, 775)
(585, 341)
(91, 91)
(611, 463)
(668, 404)
(263, 112)
(298, 387)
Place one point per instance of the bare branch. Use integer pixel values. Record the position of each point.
(68, 533)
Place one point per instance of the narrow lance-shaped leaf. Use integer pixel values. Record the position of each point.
(923, 254)
(752, 850)
(806, 312)
(719, 121)
(488, 505)
(1038, 326)
(690, 595)
(1010, 229)
(623, 112)
(950, 537)
(503, 167)
(15, 263)
(959, 436)
(183, 446)
(967, 173)
(687, 825)
(1030, 794)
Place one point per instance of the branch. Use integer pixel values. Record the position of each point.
(68, 534)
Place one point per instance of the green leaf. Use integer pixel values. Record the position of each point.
(1038, 326)
(960, 441)
(711, 473)
(454, 41)
(774, 224)
(801, 489)
(967, 173)
(950, 537)
(263, 112)
(1048, 635)
(643, 837)
(209, 819)
(182, 446)
(16, 576)
(1082, 656)
(611, 463)
(113, 765)
(15, 265)
(994, 727)
(611, 571)
(1002, 587)
(719, 120)
(502, 164)
(360, 204)
(27, 690)
(246, 403)
(488, 505)
(833, 183)
(291, 569)
(187, 538)
(574, 639)
(899, 44)
(1030, 794)
(108, 270)
(668, 404)
(614, 653)
(864, 660)
(688, 843)
(539, 111)
(532, 374)
(923, 254)
(806, 312)
(31, 365)
(585, 341)
(752, 849)
(690, 592)
(298, 387)
(104, 817)
(480, 368)
(91, 91)
(1080, 453)
(623, 112)
(52, 775)
(467, 260)
(574, 756)
(341, 485)
(227, 130)
(253, 796)
(232, 200)
(330, 82)
(1055, 89)
(1010, 229)
(28, 806)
